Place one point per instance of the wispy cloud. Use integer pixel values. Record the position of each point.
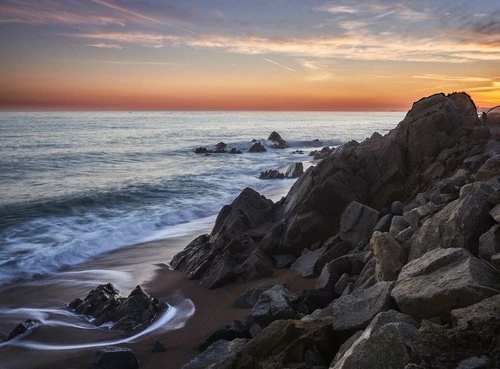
(448, 78)
(278, 64)
(103, 45)
(135, 15)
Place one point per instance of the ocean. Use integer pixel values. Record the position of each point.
(76, 185)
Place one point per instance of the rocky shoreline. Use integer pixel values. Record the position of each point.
(401, 233)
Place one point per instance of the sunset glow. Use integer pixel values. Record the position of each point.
(233, 55)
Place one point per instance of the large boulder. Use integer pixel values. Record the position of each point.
(113, 357)
(443, 280)
(390, 257)
(103, 303)
(271, 174)
(357, 223)
(385, 343)
(489, 243)
(459, 224)
(311, 263)
(330, 274)
(216, 354)
(257, 147)
(288, 344)
(294, 170)
(355, 311)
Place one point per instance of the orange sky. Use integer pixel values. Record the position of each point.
(280, 55)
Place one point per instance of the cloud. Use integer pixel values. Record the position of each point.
(138, 17)
(278, 64)
(442, 77)
(103, 45)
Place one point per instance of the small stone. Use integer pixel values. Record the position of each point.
(158, 347)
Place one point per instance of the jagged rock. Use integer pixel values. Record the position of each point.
(366, 278)
(114, 358)
(23, 327)
(443, 280)
(342, 283)
(489, 169)
(357, 223)
(271, 174)
(390, 257)
(447, 190)
(489, 243)
(257, 147)
(332, 271)
(385, 343)
(278, 142)
(104, 305)
(474, 333)
(215, 355)
(482, 362)
(415, 216)
(321, 154)
(398, 224)
(494, 198)
(288, 343)
(236, 329)
(158, 347)
(221, 147)
(311, 263)
(202, 150)
(294, 170)
(235, 151)
(257, 265)
(495, 261)
(220, 273)
(355, 311)
(495, 213)
(405, 235)
(459, 224)
(284, 260)
(248, 298)
(383, 224)
(275, 303)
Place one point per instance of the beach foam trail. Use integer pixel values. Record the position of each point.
(175, 317)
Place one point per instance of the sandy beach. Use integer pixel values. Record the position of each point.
(144, 264)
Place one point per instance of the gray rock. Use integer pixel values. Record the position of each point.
(273, 304)
(278, 142)
(383, 224)
(158, 347)
(294, 170)
(114, 358)
(342, 283)
(482, 362)
(357, 223)
(398, 224)
(355, 311)
(284, 260)
(415, 216)
(495, 261)
(478, 314)
(443, 280)
(366, 278)
(219, 274)
(248, 298)
(447, 190)
(312, 262)
(332, 271)
(23, 327)
(216, 354)
(489, 243)
(494, 198)
(257, 147)
(495, 213)
(385, 343)
(390, 257)
(271, 174)
(405, 235)
(459, 224)
(489, 169)
(397, 208)
(258, 265)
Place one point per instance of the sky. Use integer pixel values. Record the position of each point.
(245, 55)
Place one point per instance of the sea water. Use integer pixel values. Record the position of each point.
(74, 185)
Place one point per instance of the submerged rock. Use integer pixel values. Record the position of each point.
(23, 327)
(271, 174)
(278, 142)
(257, 147)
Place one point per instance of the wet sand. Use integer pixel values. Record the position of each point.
(145, 264)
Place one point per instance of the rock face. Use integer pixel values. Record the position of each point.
(271, 174)
(442, 280)
(294, 170)
(216, 354)
(104, 305)
(357, 223)
(257, 147)
(114, 358)
(229, 251)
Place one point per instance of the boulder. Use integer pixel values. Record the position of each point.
(321, 154)
(398, 224)
(383, 224)
(489, 243)
(443, 280)
(311, 263)
(366, 278)
(385, 343)
(390, 257)
(248, 298)
(221, 272)
(258, 265)
(229, 332)
(489, 169)
(459, 224)
(103, 303)
(330, 274)
(288, 344)
(355, 311)
(257, 147)
(216, 354)
(494, 198)
(342, 284)
(495, 213)
(357, 223)
(271, 174)
(113, 357)
(275, 303)
(397, 208)
(294, 170)
(283, 260)
(278, 142)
